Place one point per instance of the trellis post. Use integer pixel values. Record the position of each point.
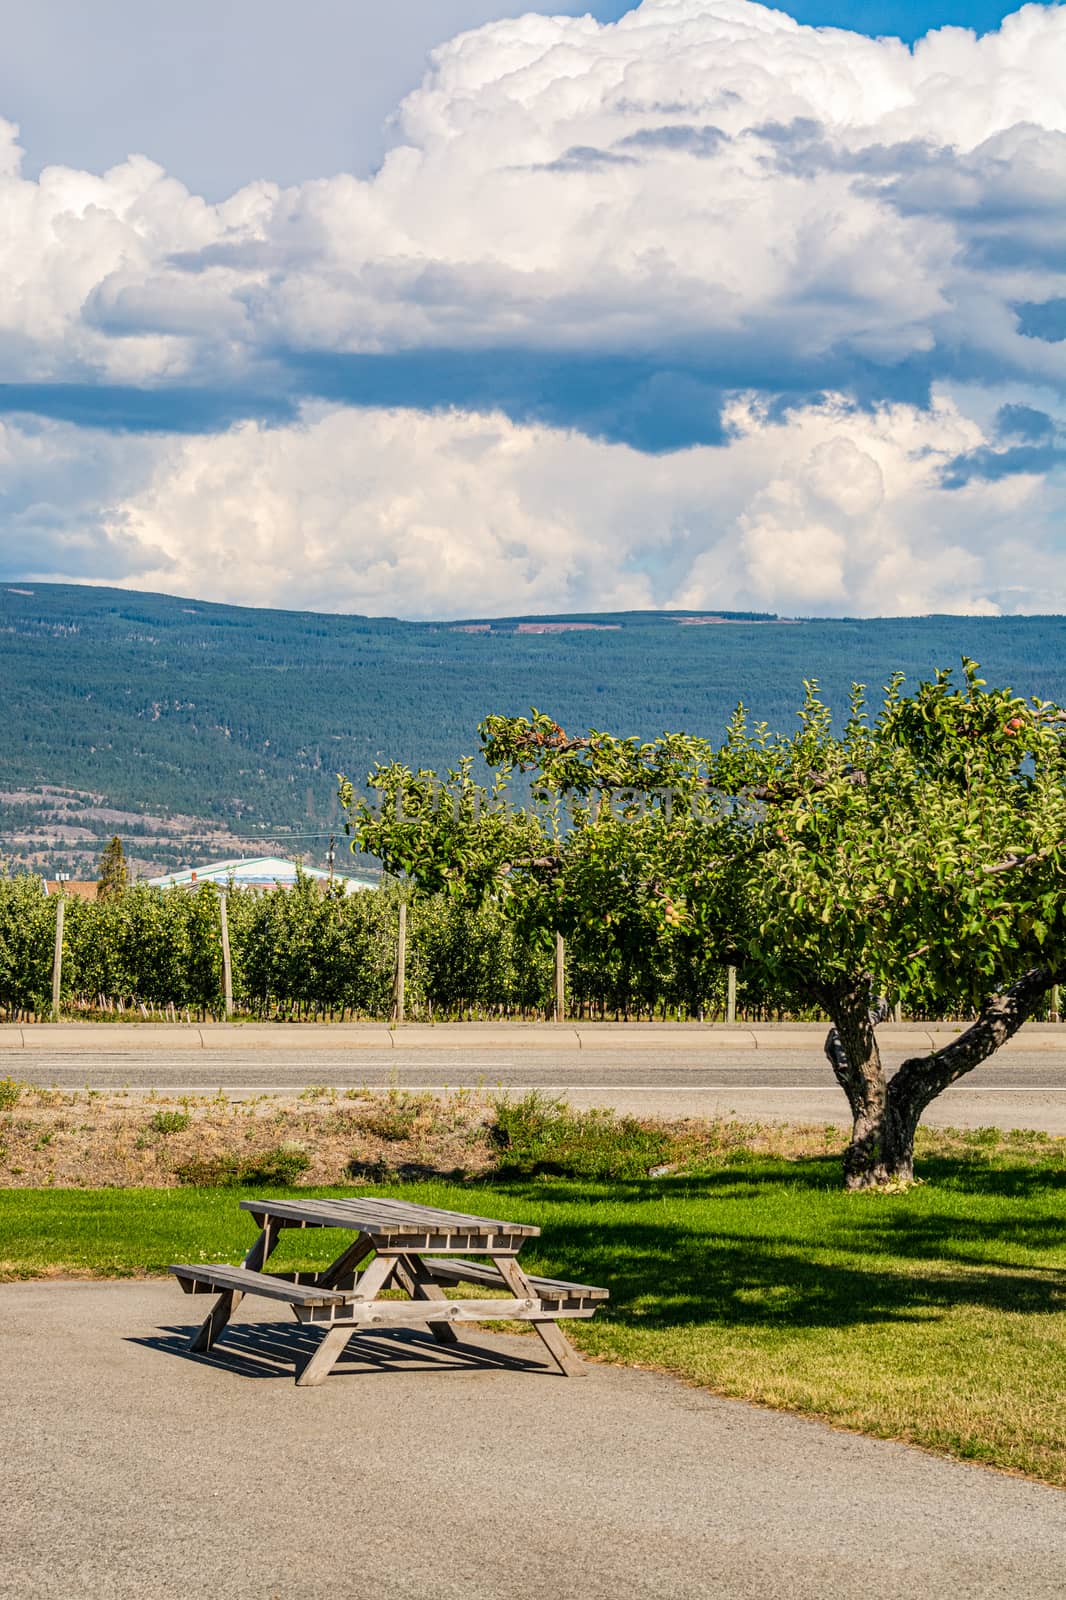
(227, 966)
(560, 978)
(731, 994)
(57, 959)
(399, 984)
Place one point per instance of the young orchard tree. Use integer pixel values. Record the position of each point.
(454, 835)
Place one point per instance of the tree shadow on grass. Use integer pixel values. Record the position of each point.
(1007, 1181)
(857, 1259)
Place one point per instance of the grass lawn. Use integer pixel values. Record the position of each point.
(933, 1315)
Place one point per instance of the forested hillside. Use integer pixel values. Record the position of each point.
(164, 705)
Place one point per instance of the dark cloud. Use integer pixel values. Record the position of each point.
(120, 408)
(701, 141)
(799, 131)
(653, 406)
(990, 465)
(803, 149)
(1041, 249)
(1024, 422)
(586, 158)
(1042, 319)
(655, 403)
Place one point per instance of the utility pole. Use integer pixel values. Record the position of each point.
(329, 854)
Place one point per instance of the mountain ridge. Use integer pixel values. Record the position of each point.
(242, 717)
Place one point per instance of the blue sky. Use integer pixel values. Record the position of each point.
(907, 19)
(221, 94)
(800, 296)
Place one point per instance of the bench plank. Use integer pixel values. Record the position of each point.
(223, 1278)
(484, 1273)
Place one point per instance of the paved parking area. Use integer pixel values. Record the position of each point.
(131, 1471)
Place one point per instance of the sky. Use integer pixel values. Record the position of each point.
(458, 307)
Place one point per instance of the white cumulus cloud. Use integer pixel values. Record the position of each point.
(837, 256)
(779, 201)
(823, 509)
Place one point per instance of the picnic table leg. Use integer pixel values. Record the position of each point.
(549, 1332)
(346, 1262)
(336, 1337)
(318, 1368)
(215, 1321)
(230, 1299)
(416, 1279)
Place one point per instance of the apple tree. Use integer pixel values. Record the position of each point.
(920, 851)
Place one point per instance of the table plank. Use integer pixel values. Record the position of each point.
(386, 1218)
(407, 1210)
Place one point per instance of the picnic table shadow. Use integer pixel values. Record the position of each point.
(275, 1350)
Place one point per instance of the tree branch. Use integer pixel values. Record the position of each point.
(1010, 862)
(558, 742)
(813, 782)
(921, 1078)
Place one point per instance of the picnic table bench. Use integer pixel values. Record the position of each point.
(397, 1245)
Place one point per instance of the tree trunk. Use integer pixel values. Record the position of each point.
(886, 1115)
(879, 1153)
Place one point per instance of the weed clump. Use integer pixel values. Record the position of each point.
(283, 1166)
(10, 1093)
(169, 1122)
(397, 1116)
(539, 1137)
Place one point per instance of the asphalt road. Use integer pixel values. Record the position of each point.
(133, 1471)
(1020, 1089)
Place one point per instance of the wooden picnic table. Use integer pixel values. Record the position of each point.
(396, 1245)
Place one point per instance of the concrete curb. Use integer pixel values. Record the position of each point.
(679, 1038)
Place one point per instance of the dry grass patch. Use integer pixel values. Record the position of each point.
(89, 1140)
(51, 1138)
